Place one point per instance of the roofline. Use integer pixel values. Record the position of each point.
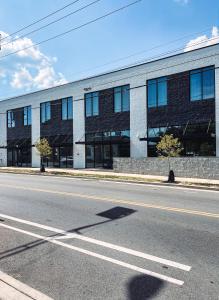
(109, 72)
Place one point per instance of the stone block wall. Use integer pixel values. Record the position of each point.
(190, 167)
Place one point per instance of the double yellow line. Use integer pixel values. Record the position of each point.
(118, 201)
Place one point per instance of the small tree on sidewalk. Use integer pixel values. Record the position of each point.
(169, 147)
(44, 149)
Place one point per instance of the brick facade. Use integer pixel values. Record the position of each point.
(107, 120)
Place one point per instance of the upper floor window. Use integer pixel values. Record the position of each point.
(67, 108)
(27, 115)
(10, 119)
(121, 98)
(157, 92)
(92, 104)
(202, 84)
(45, 111)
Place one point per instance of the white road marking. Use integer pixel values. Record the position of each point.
(101, 243)
(11, 288)
(96, 255)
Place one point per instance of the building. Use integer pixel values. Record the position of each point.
(118, 114)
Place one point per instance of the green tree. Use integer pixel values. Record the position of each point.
(44, 149)
(169, 147)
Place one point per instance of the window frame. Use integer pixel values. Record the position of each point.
(156, 82)
(68, 115)
(28, 114)
(93, 95)
(201, 72)
(122, 88)
(47, 115)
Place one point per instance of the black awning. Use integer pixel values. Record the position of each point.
(59, 140)
(107, 142)
(19, 143)
(186, 137)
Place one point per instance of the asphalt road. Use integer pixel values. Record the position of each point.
(85, 239)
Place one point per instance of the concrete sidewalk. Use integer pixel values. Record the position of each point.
(12, 289)
(110, 174)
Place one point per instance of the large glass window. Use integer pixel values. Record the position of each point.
(121, 98)
(67, 108)
(92, 104)
(27, 115)
(202, 84)
(196, 139)
(157, 92)
(101, 147)
(45, 112)
(10, 119)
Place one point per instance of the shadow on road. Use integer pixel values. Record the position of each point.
(144, 287)
(112, 214)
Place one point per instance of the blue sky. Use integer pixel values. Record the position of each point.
(82, 53)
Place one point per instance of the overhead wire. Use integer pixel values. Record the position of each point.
(51, 23)
(74, 28)
(39, 20)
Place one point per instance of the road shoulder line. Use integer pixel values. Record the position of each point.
(99, 256)
(67, 235)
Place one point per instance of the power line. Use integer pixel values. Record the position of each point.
(149, 60)
(39, 20)
(153, 57)
(53, 22)
(146, 50)
(164, 54)
(74, 29)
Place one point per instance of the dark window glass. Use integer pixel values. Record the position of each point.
(101, 147)
(29, 118)
(152, 93)
(45, 112)
(117, 99)
(48, 111)
(64, 109)
(196, 139)
(121, 99)
(196, 85)
(95, 104)
(157, 92)
(10, 119)
(88, 105)
(27, 115)
(67, 108)
(162, 91)
(125, 98)
(92, 104)
(70, 108)
(202, 84)
(208, 84)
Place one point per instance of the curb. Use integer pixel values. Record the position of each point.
(210, 187)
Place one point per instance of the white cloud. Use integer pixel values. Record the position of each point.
(203, 40)
(29, 68)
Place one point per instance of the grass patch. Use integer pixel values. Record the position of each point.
(109, 177)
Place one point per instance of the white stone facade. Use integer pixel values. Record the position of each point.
(135, 76)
